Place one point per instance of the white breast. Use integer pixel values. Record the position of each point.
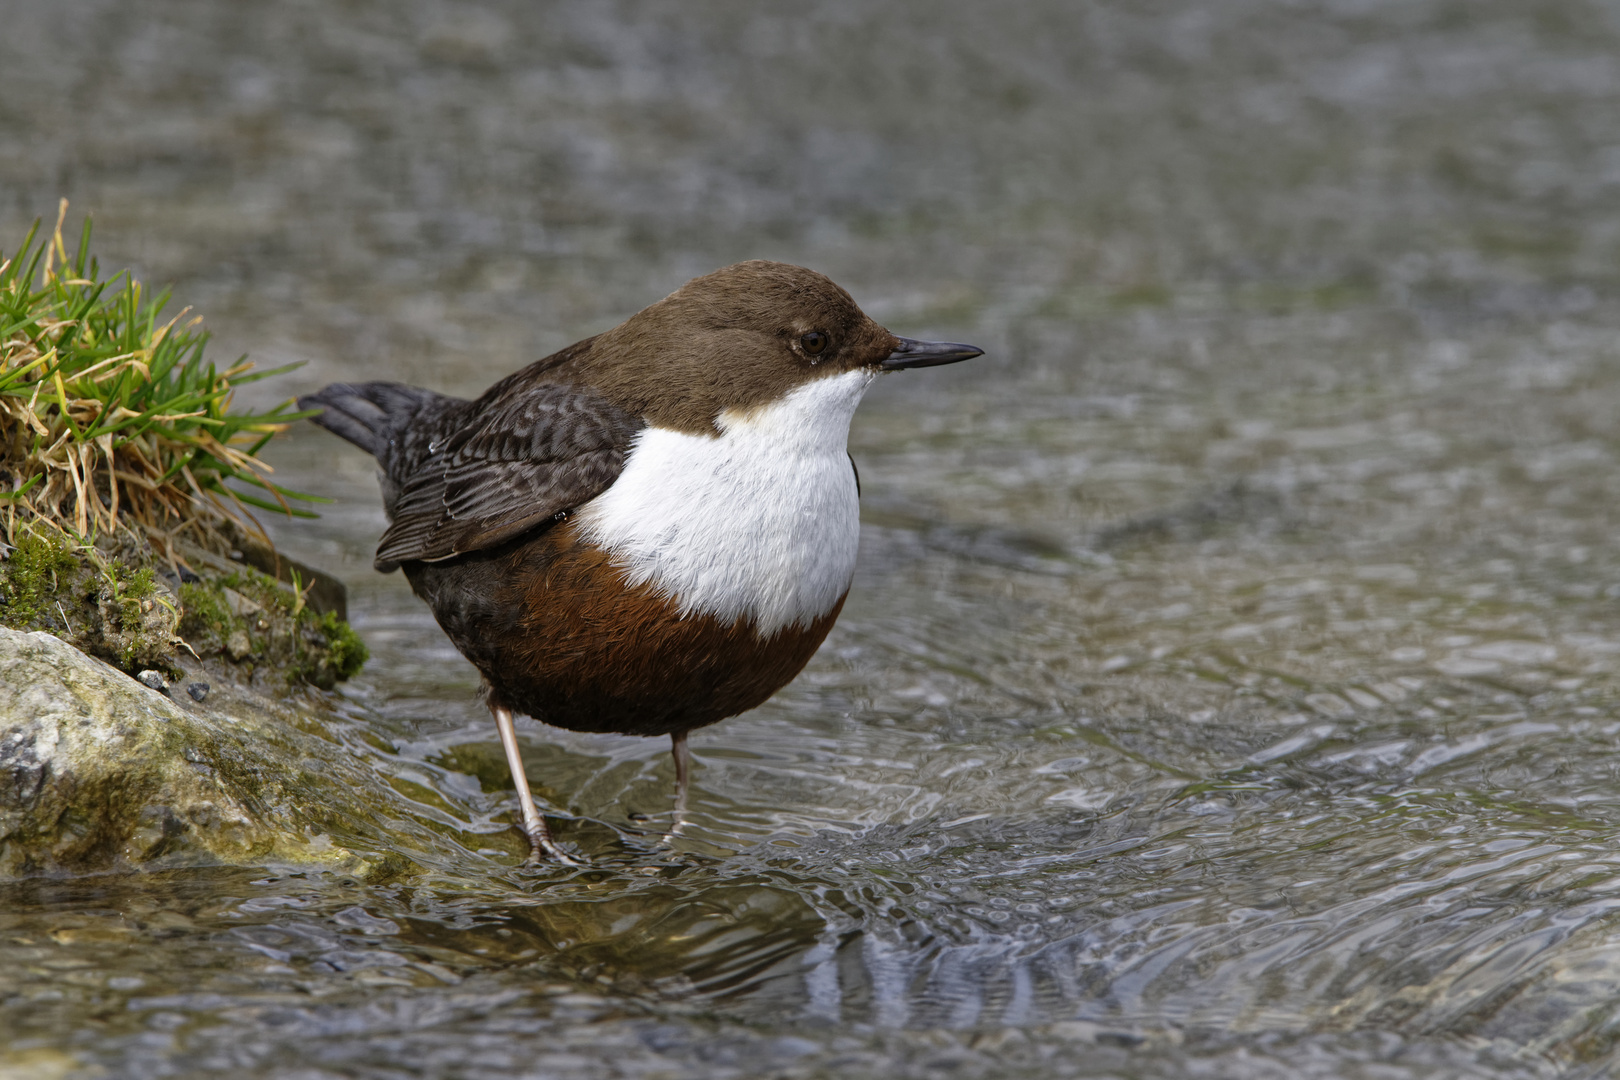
(761, 522)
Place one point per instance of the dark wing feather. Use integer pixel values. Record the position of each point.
(511, 466)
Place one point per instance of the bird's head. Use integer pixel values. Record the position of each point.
(742, 337)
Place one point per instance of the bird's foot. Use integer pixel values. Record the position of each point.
(542, 848)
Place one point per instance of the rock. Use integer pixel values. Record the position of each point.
(321, 591)
(239, 645)
(240, 605)
(154, 680)
(123, 602)
(198, 691)
(98, 773)
(139, 632)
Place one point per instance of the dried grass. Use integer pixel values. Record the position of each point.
(111, 421)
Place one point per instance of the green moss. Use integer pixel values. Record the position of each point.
(137, 618)
(273, 631)
(348, 652)
(112, 603)
(130, 588)
(264, 590)
(103, 600)
(331, 650)
(204, 615)
(38, 568)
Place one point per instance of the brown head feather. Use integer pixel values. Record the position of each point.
(727, 340)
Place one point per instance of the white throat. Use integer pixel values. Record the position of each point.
(761, 522)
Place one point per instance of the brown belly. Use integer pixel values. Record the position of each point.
(558, 636)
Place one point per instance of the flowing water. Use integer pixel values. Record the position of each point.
(1229, 686)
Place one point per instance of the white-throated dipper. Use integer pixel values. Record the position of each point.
(650, 530)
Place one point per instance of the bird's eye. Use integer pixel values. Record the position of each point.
(813, 342)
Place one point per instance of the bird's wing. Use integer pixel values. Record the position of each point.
(525, 459)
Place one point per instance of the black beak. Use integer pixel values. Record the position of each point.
(913, 353)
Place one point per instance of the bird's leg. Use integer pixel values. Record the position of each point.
(534, 826)
(683, 774)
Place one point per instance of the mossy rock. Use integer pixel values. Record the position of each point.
(119, 603)
(107, 604)
(98, 772)
(253, 621)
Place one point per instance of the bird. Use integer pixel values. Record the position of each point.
(650, 530)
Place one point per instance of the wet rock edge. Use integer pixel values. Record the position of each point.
(100, 773)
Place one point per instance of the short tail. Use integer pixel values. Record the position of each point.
(367, 414)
